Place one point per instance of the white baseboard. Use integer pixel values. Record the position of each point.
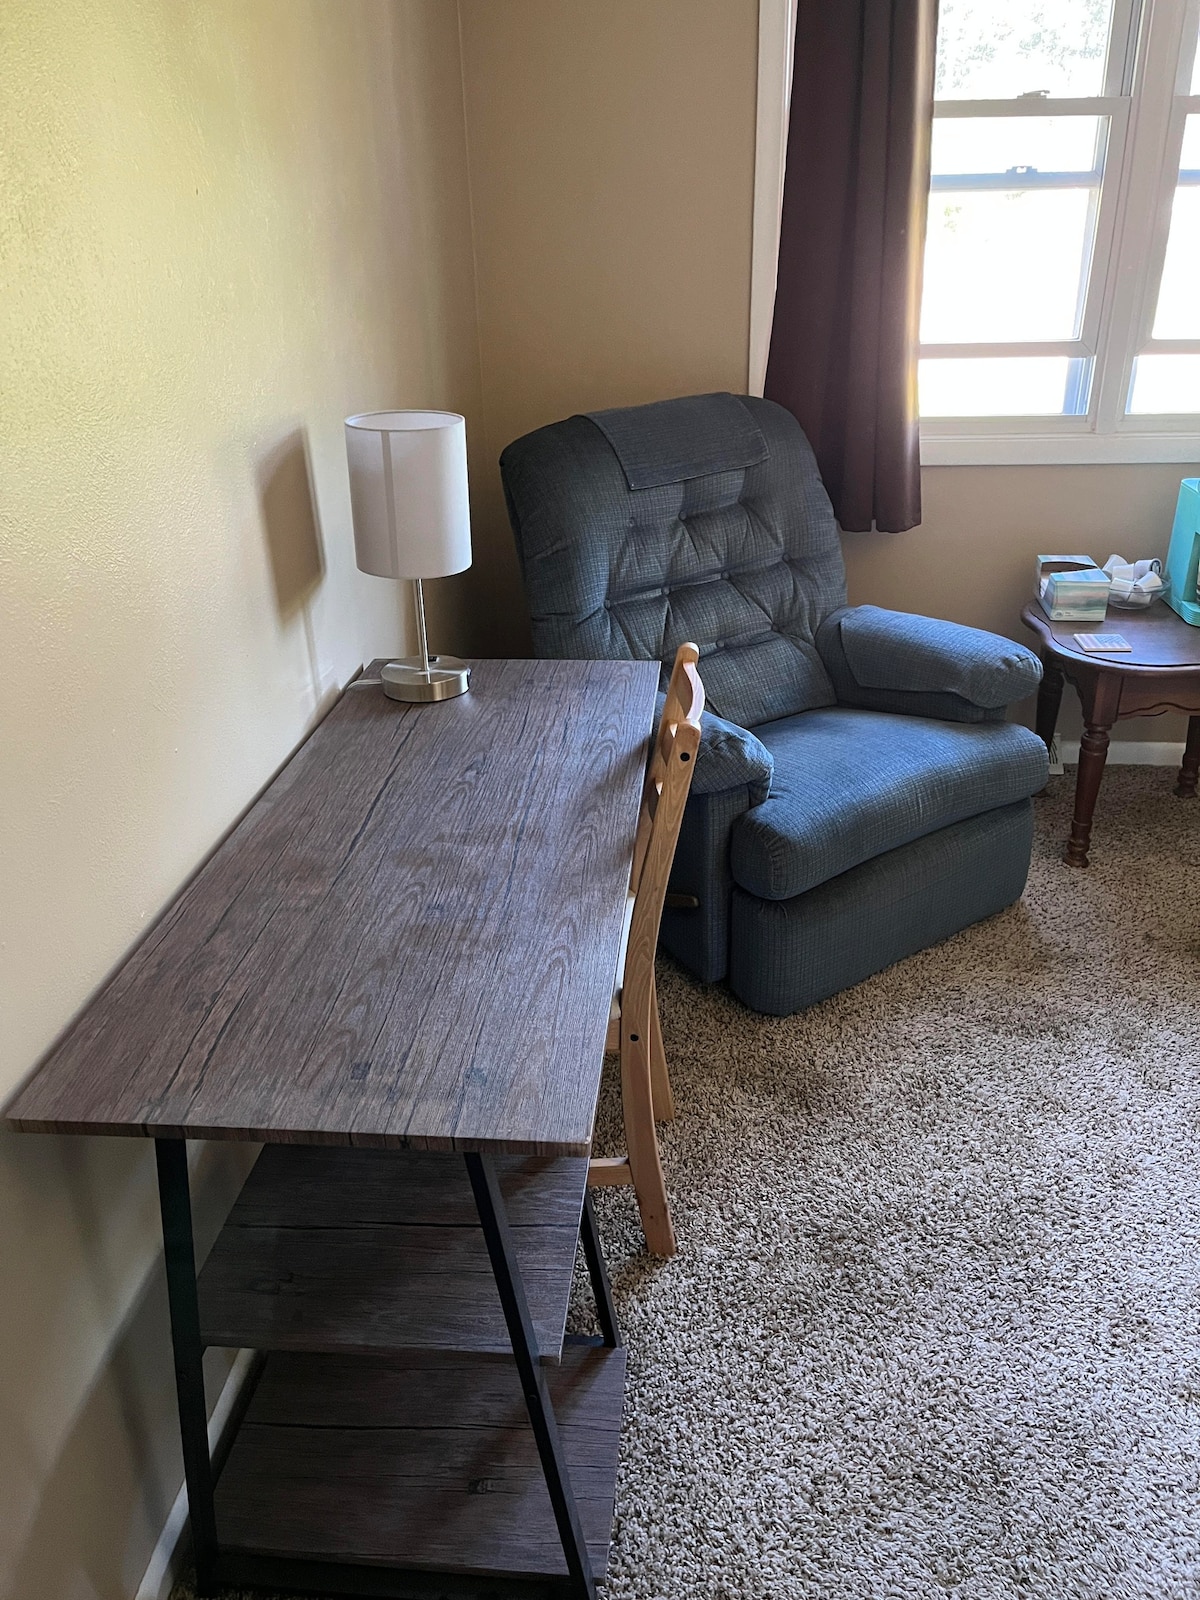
(1131, 752)
(171, 1551)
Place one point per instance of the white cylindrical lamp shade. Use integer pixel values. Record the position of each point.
(408, 493)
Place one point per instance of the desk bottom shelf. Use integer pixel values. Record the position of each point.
(344, 1466)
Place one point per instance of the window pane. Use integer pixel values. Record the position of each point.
(1009, 235)
(1004, 386)
(983, 145)
(1189, 154)
(1005, 266)
(994, 52)
(1165, 385)
(1177, 315)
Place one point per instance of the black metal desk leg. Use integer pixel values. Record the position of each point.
(175, 1202)
(493, 1217)
(606, 1312)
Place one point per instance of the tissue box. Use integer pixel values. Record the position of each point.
(1071, 588)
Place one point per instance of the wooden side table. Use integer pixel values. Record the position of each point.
(1161, 673)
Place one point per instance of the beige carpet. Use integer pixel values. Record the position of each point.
(934, 1329)
(934, 1326)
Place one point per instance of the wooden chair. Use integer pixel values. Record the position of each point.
(633, 1030)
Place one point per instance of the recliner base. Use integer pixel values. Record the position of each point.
(785, 955)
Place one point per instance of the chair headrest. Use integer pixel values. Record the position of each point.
(671, 441)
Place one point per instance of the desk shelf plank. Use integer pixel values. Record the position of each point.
(418, 1463)
(367, 1250)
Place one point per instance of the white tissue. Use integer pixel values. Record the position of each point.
(1138, 581)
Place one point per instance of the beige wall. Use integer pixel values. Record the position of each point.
(223, 226)
(972, 557)
(612, 168)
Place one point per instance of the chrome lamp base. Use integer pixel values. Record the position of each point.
(409, 679)
(424, 678)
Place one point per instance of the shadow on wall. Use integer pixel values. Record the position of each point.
(87, 1400)
(289, 518)
(295, 547)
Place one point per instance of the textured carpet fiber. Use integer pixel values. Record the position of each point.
(934, 1326)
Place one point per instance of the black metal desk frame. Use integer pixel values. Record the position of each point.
(202, 1468)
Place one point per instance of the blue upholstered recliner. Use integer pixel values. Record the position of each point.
(858, 794)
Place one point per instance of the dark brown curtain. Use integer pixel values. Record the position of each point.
(843, 343)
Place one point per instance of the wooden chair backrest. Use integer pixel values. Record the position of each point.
(668, 780)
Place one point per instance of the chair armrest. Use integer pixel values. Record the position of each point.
(896, 661)
(733, 774)
(729, 758)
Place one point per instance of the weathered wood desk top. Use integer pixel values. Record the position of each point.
(410, 940)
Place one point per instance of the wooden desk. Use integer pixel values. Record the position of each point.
(1160, 673)
(408, 944)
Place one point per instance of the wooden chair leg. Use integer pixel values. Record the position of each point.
(660, 1079)
(641, 1142)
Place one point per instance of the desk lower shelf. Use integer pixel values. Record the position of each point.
(416, 1462)
(331, 1249)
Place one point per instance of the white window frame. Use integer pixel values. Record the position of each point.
(1145, 137)
(776, 45)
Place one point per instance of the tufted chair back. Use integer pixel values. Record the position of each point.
(702, 518)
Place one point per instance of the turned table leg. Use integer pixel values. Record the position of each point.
(1100, 715)
(1189, 772)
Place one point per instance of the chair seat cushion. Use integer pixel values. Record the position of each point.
(851, 784)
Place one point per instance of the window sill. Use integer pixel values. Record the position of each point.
(1048, 450)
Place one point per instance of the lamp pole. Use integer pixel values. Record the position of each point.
(424, 643)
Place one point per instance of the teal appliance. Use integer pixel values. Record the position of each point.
(1183, 555)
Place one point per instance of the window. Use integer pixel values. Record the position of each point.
(1062, 263)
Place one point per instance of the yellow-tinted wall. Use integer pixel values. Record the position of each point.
(612, 174)
(223, 226)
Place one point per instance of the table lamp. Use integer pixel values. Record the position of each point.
(408, 495)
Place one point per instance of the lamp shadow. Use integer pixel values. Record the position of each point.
(289, 517)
